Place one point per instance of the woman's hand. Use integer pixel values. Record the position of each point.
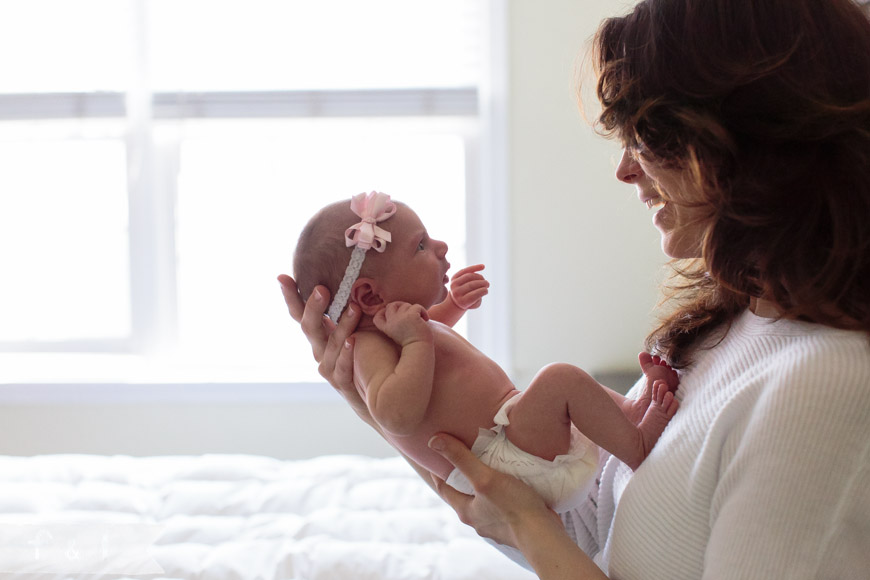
(512, 513)
(501, 502)
(331, 344)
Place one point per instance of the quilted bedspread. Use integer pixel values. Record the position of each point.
(228, 517)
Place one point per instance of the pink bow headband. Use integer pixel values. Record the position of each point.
(372, 207)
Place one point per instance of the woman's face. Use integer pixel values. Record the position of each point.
(674, 196)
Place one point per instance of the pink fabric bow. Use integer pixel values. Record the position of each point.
(372, 207)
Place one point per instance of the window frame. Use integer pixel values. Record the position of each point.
(152, 166)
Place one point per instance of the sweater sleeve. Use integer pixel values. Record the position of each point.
(793, 496)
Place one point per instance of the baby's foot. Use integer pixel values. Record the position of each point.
(661, 410)
(655, 369)
(636, 409)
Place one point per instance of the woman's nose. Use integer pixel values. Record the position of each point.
(628, 170)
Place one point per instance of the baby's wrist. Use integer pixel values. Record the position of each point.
(424, 340)
(455, 303)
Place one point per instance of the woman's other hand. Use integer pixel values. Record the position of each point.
(331, 344)
(510, 512)
(501, 502)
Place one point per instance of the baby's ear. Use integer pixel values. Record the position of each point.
(365, 293)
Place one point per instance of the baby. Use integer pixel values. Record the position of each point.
(418, 377)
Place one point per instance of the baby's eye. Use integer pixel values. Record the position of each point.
(421, 246)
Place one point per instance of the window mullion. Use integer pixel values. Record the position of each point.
(146, 302)
(487, 195)
(429, 102)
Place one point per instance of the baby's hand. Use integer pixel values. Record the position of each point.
(404, 323)
(467, 288)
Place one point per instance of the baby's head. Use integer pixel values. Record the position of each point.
(321, 256)
(411, 268)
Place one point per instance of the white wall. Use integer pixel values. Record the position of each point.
(586, 256)
(284, 430)
(585, 260)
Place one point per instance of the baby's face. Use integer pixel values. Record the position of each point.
(414, 265)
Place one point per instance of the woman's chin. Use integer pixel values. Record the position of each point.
(679, 249)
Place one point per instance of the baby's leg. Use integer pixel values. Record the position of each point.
(562, 394)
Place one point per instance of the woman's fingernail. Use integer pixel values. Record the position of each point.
(318, 295)
(347, 344)
(351, 311)
(436, 443)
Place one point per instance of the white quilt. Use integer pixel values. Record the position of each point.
(228, 517)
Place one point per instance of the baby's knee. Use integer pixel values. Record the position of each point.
(562, 374)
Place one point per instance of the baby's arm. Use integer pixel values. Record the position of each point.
(467, 289)
(397, 386)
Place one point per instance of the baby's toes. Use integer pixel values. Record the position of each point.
(670, 404)
(646, 360)
(659, 389)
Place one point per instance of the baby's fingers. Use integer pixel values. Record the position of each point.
(470, 286)
(467, 278)
(421, 312)
(469, 300)
(469, 295)
(469, 270)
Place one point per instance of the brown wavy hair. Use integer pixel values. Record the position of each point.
(766, 104)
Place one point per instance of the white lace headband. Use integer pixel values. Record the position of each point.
(372, 207)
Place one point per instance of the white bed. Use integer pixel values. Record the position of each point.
(227, 517)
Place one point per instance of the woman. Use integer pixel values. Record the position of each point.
(747, 124)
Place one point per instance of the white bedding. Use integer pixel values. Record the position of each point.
(227, 517)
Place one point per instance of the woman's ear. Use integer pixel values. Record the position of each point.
(365, 293)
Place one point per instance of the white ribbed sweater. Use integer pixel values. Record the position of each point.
(764, 472)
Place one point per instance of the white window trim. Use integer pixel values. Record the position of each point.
(487, 211)
(248, 104)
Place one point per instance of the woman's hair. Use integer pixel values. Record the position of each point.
(766, 105)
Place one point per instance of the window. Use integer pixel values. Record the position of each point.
(160, 157)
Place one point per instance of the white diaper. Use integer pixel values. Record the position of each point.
(562, 483)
